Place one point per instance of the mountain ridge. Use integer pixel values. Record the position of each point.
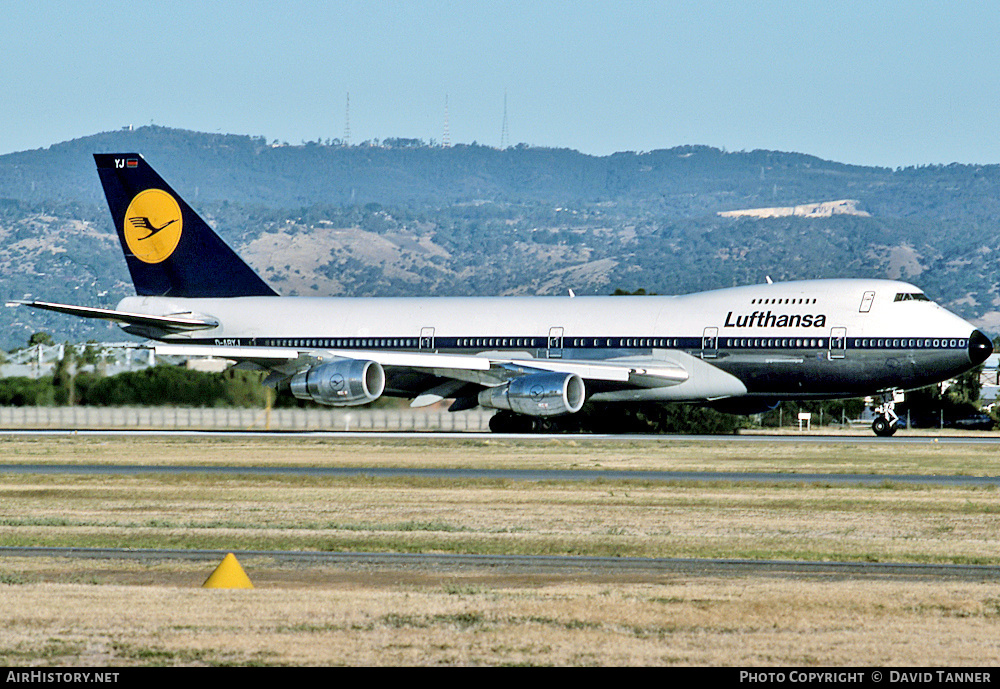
(408, 218)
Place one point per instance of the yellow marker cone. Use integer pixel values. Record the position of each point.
(228, 575)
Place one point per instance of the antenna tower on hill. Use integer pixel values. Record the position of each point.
(504, 134)
(446, 139)
(347, 122)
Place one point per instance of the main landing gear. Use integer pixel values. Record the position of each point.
(886, 421)
(508, 422)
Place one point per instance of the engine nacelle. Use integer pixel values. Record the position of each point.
(341, 383)
(539, 394)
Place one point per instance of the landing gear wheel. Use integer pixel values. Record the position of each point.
(506, 422)
(882, 427)
(500, 423)
(886, 420)
(509, 422)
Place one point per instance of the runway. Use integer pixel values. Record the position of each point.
(533, 564)
(610, 567)
(508, 474)
(518, 474)
(979, 439)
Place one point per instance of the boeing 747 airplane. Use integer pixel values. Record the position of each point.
(740, 350)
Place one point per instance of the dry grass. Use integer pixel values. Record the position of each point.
(798, 521)
(69, 612)
(332, 617)
(930, 456)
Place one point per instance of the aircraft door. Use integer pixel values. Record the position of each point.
(838, 343)
(710, 343)
(555, 343)
(866, 302)
(426, 339)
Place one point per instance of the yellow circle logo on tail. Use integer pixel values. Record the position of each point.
(153, 224)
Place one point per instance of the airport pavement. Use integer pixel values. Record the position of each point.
(236, 419)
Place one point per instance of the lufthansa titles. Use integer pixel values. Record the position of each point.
(766, 319)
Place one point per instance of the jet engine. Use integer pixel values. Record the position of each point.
(341, 383)
(539, 394)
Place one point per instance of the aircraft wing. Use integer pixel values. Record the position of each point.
(482, 370)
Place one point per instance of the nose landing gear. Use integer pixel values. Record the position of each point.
(886, 421)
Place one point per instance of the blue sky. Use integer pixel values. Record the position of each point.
(872, 83)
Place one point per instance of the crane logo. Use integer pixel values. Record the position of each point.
(153, 224)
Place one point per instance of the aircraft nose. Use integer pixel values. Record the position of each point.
(980, 347)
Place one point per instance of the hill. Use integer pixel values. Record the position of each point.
(401, 217)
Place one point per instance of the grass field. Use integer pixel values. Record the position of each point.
(115, 613)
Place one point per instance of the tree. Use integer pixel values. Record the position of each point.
(64, 377)
(41, 338)
(967, 387)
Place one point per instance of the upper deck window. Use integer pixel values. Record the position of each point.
(907, 296)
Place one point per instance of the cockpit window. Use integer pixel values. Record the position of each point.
(908, 296)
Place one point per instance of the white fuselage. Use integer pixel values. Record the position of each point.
(813, 338)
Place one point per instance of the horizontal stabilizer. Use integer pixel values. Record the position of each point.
(167, 323)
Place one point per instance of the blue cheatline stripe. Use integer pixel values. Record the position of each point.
(472, 343)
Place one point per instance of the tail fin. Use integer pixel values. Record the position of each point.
(169, 249)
